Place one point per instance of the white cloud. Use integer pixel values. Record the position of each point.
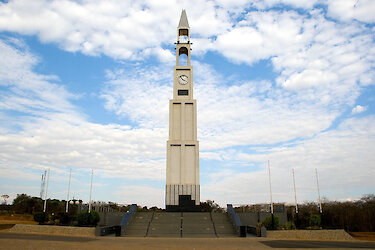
(26, 91)
(321, 65)
(309, 52)
(359, 109)
(361, 10)
(115, 28)
(47, 130)
(341, 156)
(141, 94)
(122, 30)
(304, 4)
(141, 195)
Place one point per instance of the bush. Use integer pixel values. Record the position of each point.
(88, 219)
(268, 222)
(258, 229)
(24, 204)
(315, 220)
(40, 217)
(64, 218)
(289, 226)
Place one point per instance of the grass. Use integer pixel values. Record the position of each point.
(17, 219)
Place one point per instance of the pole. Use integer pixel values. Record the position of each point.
(317, 184)
(269, 177)
(45, 196)
(67, 198)
(92, 173)
(295, 193)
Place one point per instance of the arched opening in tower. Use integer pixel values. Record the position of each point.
(183, 35)
(183, 56)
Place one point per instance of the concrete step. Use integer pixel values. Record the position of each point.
(223, 226)
(138, 226)
(169, 224)
(197, 225)
(165, 225)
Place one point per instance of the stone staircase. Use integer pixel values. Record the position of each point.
(165, 225)
(222, 224)
(180, 225)
(139, 225)
(197, 225)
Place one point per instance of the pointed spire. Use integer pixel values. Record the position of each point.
(183, 20)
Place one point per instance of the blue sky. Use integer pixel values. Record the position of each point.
(86, 84)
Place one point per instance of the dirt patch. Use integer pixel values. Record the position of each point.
(18, 222)
(336, 234)
(17, 219)
(363, 235)
(52, 230)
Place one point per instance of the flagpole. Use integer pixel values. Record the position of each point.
(317, 184)
(92, 173)
(269, 177)
(295, 193)
(67, 198)
(45, 196)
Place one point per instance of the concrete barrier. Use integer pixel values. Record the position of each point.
(336, 234)
(52, 230)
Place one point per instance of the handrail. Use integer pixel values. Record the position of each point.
(240, 229)
(234, 217)
(127, 218)
(118, 230)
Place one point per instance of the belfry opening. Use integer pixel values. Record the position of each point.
(183, 55)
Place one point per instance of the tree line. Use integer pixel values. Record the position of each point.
(353, 216)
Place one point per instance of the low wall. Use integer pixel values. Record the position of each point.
(251, 218)
(337, 234)
(52, 230)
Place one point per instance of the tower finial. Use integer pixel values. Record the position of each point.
(183, 20)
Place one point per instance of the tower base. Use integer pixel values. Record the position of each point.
(186, 204)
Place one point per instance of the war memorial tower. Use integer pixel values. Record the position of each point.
(182, 183)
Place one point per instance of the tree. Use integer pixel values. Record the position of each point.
(272, 222)
(88, 219)
(40, 217)
(210, 206)
(5, 197)
(24, 204)
(315, 220)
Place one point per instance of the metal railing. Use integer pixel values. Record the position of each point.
(240, 229)
(128, 218)
(118, 230)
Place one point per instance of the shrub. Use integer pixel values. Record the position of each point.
(268, 222)
(315, 220)
(64, 218)
(289, 226)
(88, 219)
(40, 217)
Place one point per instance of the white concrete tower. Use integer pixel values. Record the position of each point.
(182, 187)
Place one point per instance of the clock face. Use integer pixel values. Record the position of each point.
(183, 79)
